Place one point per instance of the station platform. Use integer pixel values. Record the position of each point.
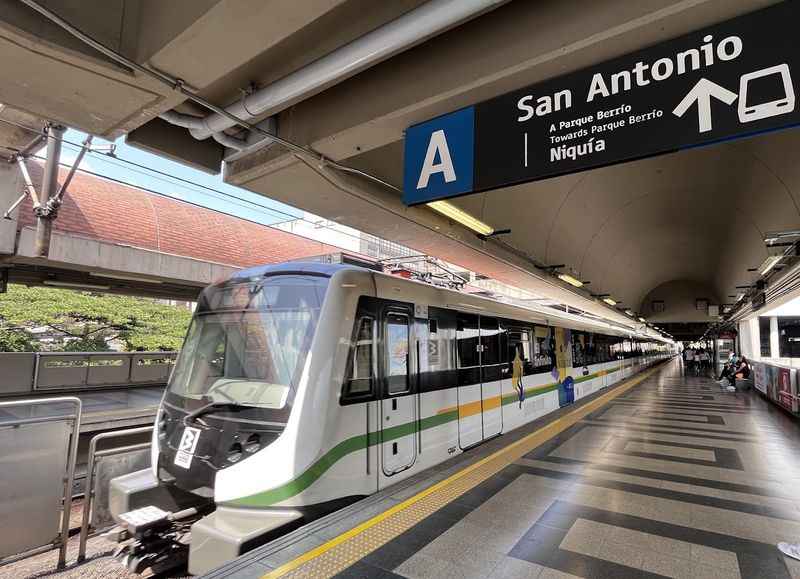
(102, 410)
(664, 475)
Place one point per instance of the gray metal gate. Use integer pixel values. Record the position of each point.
(37, 468)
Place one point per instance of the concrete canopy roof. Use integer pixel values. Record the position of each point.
(698, 215)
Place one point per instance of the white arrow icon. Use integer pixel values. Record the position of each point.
(702, 93)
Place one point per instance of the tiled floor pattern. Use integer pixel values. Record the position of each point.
(675, 478)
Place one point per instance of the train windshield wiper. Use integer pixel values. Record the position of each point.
(211, 407)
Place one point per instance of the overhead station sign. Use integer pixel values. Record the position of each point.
(731, 80)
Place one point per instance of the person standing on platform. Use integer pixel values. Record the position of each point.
(705, 360)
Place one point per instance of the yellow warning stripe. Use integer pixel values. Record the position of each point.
(526, 444)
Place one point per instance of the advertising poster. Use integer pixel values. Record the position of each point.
(772, 383)
(760, 377)
(784, 389)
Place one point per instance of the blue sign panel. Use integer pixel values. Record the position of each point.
(439, 157)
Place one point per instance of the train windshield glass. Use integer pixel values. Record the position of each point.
(249, 341)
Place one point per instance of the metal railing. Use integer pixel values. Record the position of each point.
(94, 456)
(52, 371)
(21, 473)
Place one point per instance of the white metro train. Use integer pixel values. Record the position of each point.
(302, 387)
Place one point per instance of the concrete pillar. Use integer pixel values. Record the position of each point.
(10, 190)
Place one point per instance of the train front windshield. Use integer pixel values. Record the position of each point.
(248, 343)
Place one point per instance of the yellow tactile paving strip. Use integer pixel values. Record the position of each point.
(338, 554)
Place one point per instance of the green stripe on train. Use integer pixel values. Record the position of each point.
(356, 443)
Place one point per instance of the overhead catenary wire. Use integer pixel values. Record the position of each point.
(110, 158)
(192, 185)
(210, 192)
(195, 204)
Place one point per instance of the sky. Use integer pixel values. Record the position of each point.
(249, 205)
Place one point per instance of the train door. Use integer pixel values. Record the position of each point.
(399, 400)
(493, 370)
(470, 420)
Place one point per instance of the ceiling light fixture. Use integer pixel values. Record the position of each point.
(570, 280)
(768, 264)
(610, 301)
(462, 217)
(641, 319)
(629, 312)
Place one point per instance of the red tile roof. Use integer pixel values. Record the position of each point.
(101, 209)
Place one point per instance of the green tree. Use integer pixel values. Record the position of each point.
(12, 340)
(88, 319)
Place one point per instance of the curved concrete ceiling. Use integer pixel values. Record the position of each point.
(698, 214)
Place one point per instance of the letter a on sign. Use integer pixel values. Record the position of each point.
(437, 146)
(439, 158)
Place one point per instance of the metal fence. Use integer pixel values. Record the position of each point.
(52, 371)
(37, 469)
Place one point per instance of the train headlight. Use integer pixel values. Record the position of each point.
(235, 452)
(253, 443)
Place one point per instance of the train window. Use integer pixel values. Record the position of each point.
(467, 336)
(433, 326)
(519, 342)
(589, 349)
(490, 342)
(397, 353)
(603, 348)
(359, 383)
(543, 348)
(579, 349)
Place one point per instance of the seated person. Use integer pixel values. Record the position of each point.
(741, 371)
(728, 368)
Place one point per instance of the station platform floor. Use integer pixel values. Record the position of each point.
(101, 409)
(664, 475)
